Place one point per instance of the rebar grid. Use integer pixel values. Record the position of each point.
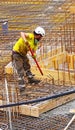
(43, 89)
(44, 122)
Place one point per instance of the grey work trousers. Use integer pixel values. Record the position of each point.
(21, 63)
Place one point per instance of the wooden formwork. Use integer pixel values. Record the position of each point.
(37, 109)
(45, 106)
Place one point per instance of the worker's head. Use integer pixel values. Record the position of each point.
(39, 32)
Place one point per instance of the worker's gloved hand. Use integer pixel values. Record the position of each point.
(34, 56)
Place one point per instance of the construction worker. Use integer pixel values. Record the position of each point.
(19, 55)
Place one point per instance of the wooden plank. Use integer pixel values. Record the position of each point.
(9, 68)
(56, 75)
(72, 110)
(25, 109)
(50, 104)
(72, 9)
(1, 104)
(45, 106)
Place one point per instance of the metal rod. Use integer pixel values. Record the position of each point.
(9, 111)
(69, 123)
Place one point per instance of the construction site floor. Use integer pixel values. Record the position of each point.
(55, 119)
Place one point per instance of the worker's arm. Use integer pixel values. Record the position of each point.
(24, 36)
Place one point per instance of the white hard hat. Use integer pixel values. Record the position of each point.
(40, 30)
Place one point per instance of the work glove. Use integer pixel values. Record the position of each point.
(34, 56)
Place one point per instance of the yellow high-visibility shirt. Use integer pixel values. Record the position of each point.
(21, 47)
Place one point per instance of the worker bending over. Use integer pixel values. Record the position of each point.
(19, 55)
